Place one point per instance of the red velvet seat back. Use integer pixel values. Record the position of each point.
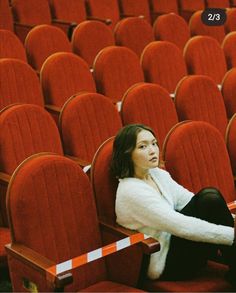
(11, 46)
(6, 19)
(231, 142)
(86, 121)
(58, 209)
(203, 55)
(197, 27)
(163, 63)
(197, 97)
(26, 130)
(44, 40)
(19, 84)
(63, 75)
(115, 70)
(89, 37)
(163, 6)
(229, 49)
(195, 154)
(104, 9)
(134, 33)
(166, 26)
(187, 8)
(104, 183)
(217, 3)
(68, 10)
(31, 12)
(149, 104)
(135, 8)
(228, 92)
(230, 24)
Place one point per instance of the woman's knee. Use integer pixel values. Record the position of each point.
(210, 196)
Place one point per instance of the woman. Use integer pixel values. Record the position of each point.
(190, 228)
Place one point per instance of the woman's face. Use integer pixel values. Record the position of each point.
(146, 153)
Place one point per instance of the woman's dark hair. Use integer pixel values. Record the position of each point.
(123, 146)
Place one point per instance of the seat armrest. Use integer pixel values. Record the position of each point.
(37, 262)
(107, 21)
(232, 206)
(77, 160)
(24, 25)
(148, 246)
(52, 109)
(4, 178)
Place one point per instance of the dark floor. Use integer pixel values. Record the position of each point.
(5, 284)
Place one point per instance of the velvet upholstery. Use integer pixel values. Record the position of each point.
(228, 92)
(135, 8)
(89, 37)
(230, 24)
(197, 27)
(104, 9)
(217, 3)
(115, 70)
(197, 97)
(196, 156)
(64, 74)
(231, 142)
(166, 26)
(5, 238)
(68, 10)
(26, 129)
(149, 104)
(228, 46)
(6, 19)
(86, 121)
(19, 83)
(11, 46)
(159, 7)
(134, 33)
(56, 220)
(163, 63)
(187, 8)
(104, 186)
(203, 55)
(42, 41)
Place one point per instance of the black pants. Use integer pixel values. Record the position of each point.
(186, 258)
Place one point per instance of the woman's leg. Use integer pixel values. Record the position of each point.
(186, 258)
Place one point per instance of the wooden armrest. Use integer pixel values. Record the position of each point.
(25, 25)
(77, 160)
(38, 263)
(232, 206)
(107, 21)
(52, 109)
(5, 178)
(65, 22)
(149, 245)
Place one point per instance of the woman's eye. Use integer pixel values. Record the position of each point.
(154, 143)
(142, 146)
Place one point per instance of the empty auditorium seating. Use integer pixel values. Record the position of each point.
(228, 92)
(228, 46)
(62, 75)
(135, 8)
(197, 27)
(203, 55)
(86, 121)
(173, 28)
(11, 46)
(187, 8)
(231, 141)
(196, 156)
(159, 7)
(19, 83)
(134, 33)
(104, 9)
(163, 63)
(59, 223)
(217, 3)
(42, 41)
(230, 24)
(149, 104)
(197, 97)
(115, 70)
(89, 37)
(105, 185)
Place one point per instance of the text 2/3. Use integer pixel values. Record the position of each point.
(213, 16)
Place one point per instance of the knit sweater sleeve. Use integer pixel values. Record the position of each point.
(139, 206)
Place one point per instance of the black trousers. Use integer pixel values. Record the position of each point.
(186, 258)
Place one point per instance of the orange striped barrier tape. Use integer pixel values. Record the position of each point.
(78, 261)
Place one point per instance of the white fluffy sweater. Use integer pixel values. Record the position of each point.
(141, 207)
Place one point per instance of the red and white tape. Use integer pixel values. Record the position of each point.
(78, 261)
